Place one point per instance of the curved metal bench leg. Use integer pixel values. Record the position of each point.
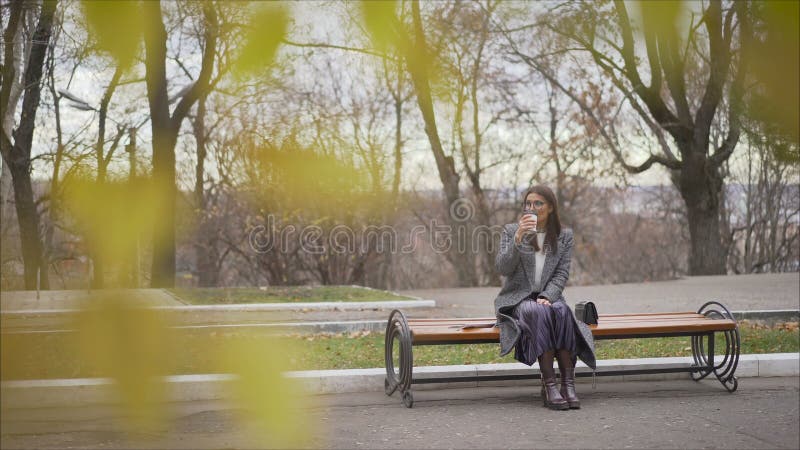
(390, 382)
(397, 328)
(725, 369)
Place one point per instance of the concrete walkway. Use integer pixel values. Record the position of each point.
(59, 300)
(737, 292)
(763, 413)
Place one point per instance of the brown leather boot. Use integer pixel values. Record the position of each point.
(567, 371)
(568, 388)
(550, 394)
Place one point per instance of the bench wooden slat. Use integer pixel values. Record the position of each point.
(471, 319)
(650, 318)
(649, 314)
(453, 332)
(601, 315)
(603, 320)
(455, 335)
(606, 317)
(450, 329)
(604, 323)
(667, 326)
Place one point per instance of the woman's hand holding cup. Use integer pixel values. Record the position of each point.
(527, 224)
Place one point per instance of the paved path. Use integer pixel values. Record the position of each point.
(49, 300)
(763, 413)
(737, 292)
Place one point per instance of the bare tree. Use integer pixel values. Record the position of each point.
(764, 210)
(680, 101)
(396, 81)
(15, 145)
(208, 260)
(417, 54)
(468, 56)
(363, 103)
(166, 124)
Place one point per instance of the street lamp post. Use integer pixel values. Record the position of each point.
(82, 105)
(131, 149)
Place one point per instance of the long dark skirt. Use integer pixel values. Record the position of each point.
(543, 328)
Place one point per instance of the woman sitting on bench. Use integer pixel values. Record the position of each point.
(532, 315)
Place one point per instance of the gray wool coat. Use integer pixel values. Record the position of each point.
(518, 264)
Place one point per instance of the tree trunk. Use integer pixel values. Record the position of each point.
(164, 138)
(28, 219)
(700, 186)
(165, 128)
(163, 267)
(55, 207)
(707, 255)
(98, 262)
(390, 210)
(207, 274)
(463, 261)
(488, 251)
(18, 154)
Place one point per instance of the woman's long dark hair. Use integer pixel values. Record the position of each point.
(553, 220)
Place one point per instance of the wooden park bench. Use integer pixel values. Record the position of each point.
(701, 326)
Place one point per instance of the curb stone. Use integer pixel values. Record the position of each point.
(184, 388)
(318, 306)
(769, 316)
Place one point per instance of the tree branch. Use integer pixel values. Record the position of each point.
(673, 66)
(668, 162)
(8, 78)
(337, 47)
(209, 55)
(735, 106)
(102, 114)
(652, 99)
(719, 61)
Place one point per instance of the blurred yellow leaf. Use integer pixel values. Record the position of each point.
(380, 21)
(661, 17)
(266, 30)
(117, 27)
(128, 342)
(113, 215)
(776, 65)
(274, 405)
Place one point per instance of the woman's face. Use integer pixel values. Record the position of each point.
(538, 203)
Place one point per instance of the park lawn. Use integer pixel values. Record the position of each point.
(282, 294)
(42, 356)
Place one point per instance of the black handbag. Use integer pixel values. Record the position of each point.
(586, 312)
